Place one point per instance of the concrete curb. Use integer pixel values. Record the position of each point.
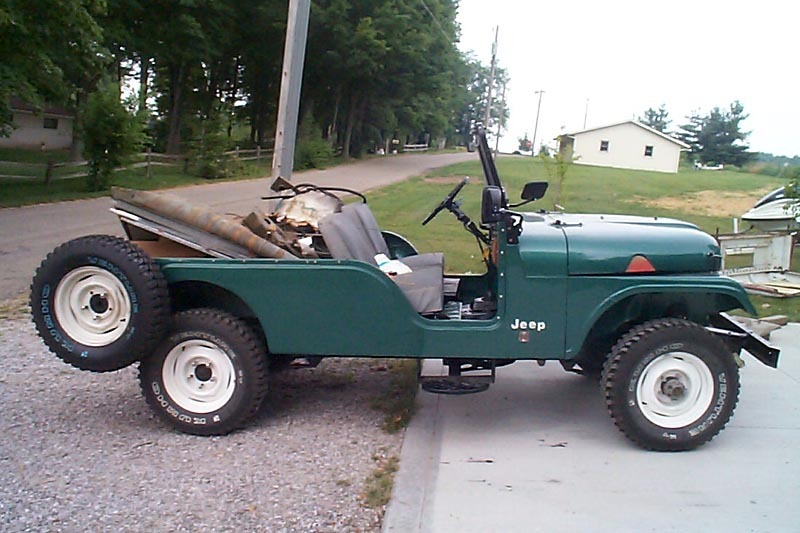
(419, 464)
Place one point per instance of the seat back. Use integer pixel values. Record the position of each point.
(362, 214)
(346, 238)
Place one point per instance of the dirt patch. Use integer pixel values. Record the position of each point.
(444, 179)
(709, 203)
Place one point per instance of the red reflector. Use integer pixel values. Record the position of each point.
(639, 265)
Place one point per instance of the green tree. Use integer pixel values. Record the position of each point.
(656, 118)
(718, 137)
(557, 168)
(474, 91)
(722, 137)
(48, 50)
(375, 69)
(382, 69)
(111, 134)
(690, 132)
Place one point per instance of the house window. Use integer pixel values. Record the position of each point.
(604, 146)
(50, 123)
(648, 151)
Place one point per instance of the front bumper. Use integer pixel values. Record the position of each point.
(738, 335)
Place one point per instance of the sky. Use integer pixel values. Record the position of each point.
(625, 56)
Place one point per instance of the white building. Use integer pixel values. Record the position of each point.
(628, 144)
(47, 129)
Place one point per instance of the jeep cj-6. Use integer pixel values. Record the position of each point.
(207, 305)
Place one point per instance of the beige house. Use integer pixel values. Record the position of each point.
(628, 144)
(47, 129)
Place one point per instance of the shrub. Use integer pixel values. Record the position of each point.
(110, 133)
(312, 153)
(208, 152)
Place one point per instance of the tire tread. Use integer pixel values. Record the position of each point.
(611, 369)
(254, 353)
(155, 297)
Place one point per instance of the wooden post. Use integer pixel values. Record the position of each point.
(48, 173)
(237, 151)
(258, 153)
(291, 81)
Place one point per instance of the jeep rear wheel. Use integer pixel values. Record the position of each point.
(100, 303)
(670, 385)
(209, 376)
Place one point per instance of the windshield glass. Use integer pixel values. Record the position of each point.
(777, 194)
(489, 168)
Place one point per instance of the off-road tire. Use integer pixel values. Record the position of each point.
(100, 303)
(670, 357)
(208, 376)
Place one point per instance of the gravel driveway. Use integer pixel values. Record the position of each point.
(82, 451)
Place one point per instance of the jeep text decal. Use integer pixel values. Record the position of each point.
(529, 324)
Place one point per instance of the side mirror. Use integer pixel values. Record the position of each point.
(534, 190)
(491, 204)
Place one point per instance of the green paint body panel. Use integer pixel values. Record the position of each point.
(548, 294)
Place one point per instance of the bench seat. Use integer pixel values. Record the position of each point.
(354, 234)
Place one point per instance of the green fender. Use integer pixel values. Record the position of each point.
(591, 298)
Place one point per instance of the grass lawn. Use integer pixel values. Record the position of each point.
(708, 199)
(16, 192)
(22, 155)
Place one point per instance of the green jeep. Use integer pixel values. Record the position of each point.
(208, 306)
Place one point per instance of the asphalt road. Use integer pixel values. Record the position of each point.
(27, 234)
(538, 452)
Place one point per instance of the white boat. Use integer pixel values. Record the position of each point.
(775, 212)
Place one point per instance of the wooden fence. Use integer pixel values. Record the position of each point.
(415, 147)
(147, 160)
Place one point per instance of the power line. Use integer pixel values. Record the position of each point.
(435, 20)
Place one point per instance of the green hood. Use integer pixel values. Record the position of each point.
(605, 244)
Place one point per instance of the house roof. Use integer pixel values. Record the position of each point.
(20, 105)
(635, 123)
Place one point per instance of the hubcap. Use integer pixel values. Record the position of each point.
(92, 306)
(199, 376)
(675, 389)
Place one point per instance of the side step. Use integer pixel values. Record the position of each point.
(456, 383)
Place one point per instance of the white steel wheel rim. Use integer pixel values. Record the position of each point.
(675, 389)
(199, 376)
(92, 306)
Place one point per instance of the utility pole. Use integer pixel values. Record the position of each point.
(536, 126)
(586, 113)
(491, 79)
(500, 123)
(291, 81)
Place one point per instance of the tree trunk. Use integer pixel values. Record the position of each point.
(352, 113)
(333, 131)
(76, 148)
(175, 109)
(144, 81)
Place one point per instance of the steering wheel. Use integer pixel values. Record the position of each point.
(447, 202)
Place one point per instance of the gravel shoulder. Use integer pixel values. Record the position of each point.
(82, 451)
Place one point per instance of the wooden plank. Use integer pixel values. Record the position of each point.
(166, 248)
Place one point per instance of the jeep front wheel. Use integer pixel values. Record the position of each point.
(670, 385)
(209, 376)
